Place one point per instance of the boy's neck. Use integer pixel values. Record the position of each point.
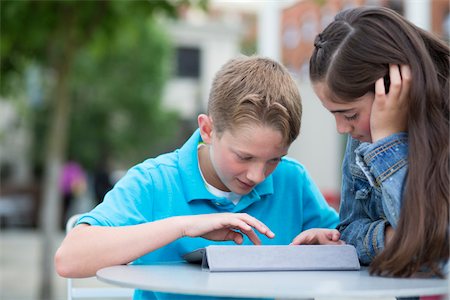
(207, 168)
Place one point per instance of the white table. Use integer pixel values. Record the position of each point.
(183, 278)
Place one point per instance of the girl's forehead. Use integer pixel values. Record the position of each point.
(332, 103)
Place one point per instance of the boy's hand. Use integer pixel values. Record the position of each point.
(389, 110)
(322, 236)
(225, 227)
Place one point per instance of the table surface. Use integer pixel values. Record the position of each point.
(183, 278)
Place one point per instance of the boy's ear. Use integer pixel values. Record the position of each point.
(206, 128)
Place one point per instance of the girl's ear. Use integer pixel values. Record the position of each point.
(205, 125)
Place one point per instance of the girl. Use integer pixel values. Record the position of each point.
(386, 83)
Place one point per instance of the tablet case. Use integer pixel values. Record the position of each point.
(275, 258)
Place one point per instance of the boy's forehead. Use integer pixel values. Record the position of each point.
(251, 137)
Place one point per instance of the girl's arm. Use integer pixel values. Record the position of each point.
(372, 195)
(321, 236)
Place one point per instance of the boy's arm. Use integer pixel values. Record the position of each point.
(87, 249)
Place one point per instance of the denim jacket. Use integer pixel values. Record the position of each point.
(372, 189)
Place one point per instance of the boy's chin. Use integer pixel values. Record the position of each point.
(242, 188)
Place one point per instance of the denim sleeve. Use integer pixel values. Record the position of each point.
(385, 164)
(372, 173)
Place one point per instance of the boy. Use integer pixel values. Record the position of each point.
(229, 183)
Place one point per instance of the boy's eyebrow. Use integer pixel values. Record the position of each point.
(249, 154)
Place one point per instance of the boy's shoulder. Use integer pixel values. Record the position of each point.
(168, 159)
(290, 172)
(167, 162)
(290, 165)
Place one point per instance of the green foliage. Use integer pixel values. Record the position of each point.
(320, 2)
(117, 60)
(118, 85)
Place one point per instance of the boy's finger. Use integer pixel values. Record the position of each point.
(260, 226)
(253, 237)
(237, 237)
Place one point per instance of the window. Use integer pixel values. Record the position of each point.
(188, 62)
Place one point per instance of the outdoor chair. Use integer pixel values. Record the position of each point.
(78, 292)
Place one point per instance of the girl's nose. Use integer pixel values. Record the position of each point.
(342, 126)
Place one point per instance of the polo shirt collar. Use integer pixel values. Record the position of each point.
(193, 185)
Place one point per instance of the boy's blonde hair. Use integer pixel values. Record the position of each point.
(255, 90)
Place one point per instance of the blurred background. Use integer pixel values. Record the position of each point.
(90, 88)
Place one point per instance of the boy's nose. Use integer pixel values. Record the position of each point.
(256, 173)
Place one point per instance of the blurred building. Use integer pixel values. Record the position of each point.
(206, 40)
(304, 19)
(203, 42)
(199, 53)
(18, 201)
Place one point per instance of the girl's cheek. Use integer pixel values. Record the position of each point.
(365, 124)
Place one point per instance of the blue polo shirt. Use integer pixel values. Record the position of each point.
(287, 201)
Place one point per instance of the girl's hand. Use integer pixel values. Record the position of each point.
(322, 236)
(225, 227)
(389, 111)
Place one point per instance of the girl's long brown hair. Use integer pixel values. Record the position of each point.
(350, 55)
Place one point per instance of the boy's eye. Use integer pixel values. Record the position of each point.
(244, 158)
(352, 117)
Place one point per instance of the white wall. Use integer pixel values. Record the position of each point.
(15, 142)
(319, 147)
(218, 42)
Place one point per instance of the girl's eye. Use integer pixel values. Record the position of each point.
(351, 118)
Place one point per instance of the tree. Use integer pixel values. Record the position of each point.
(116, 87)
(54, 34)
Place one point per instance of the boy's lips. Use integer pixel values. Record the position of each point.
(248, 185)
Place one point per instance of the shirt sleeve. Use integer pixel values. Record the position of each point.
(317, 213)
(125, 203)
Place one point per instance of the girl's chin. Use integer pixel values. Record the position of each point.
(363, 139)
